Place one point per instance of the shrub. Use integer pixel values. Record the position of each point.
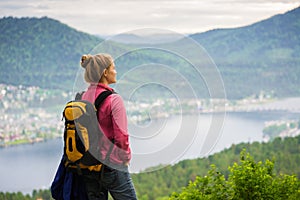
(247, 180)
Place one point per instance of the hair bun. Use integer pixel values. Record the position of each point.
(84, 58)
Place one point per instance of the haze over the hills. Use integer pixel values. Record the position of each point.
(263, 56)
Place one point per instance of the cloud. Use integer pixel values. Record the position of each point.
(117, 16)
(12, 5)
(260, 1)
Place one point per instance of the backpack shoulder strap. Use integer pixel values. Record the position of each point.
(79, 95)
(101, 97)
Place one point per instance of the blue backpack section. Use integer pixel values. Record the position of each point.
(67, 185)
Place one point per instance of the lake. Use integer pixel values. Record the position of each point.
(27, 167)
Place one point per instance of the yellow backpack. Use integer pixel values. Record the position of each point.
(83, 140)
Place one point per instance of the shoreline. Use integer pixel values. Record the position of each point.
(41, 140)
(287, 105)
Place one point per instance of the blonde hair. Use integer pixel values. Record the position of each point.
(94, 66)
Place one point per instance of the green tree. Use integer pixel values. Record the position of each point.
(247, 180)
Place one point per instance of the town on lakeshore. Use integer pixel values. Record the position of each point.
(32, 114)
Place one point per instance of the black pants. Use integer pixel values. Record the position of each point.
(117, 182)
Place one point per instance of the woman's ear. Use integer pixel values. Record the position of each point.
(105, 72)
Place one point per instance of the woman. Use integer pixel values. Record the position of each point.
(99, 73)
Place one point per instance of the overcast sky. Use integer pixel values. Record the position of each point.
(111, 17)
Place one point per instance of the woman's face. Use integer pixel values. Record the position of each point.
(111, 74)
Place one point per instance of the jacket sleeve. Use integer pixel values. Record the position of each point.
(120, 128)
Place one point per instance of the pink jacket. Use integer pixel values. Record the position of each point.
(113, 122)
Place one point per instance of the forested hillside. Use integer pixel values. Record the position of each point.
(284, 152)
(41, 52)
(262, 56)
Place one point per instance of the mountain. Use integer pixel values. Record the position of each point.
(262, 56)
(155, 38)
(41, 52)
